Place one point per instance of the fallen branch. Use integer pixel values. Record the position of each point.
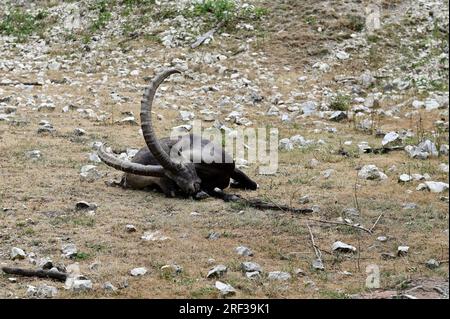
(316, 249)
(259, 204)
(36, 273)
(376, 222)
(384, 150)
(23, 83)
(339, 223)
(206, 35)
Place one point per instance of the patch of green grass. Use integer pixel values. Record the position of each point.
(222, 10)
(311, 20)
(340, 103)
(81, 256)
(355, 22)
(22, 24)
(332, 294)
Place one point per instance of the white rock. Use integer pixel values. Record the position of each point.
(342, 55)
(154, 236)
(225, 289)
(248, 266)
(382, 238)
(404, 178)
(390, 138)
(17, 253)
(342, 247)
(418, 104)
(140, 271)
(69, 250)
(436, 187)
(285, 144)
(187, 116)
(278, 275)
(402, 250)
(109, 287)
(244, 251)
(371, 172)
(217, 271)
(431, 104)
(89, 173)
(443, 168)
(81, 285)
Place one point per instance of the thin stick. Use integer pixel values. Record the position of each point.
(23, 83)
(339, 223)
(316, 249)
(207, 35)
(376, 222)
(36, 273)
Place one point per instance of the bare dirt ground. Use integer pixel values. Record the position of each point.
(37, 197)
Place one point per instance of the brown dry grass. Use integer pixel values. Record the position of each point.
(46, 190)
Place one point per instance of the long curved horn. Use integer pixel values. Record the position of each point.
(146, 122)
(129, 167)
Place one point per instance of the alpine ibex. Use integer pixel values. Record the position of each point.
(153, 167)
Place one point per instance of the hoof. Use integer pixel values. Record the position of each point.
(201, 195)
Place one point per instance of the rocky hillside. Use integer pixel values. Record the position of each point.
(358, 91)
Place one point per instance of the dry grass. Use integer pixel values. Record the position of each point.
(46, 191)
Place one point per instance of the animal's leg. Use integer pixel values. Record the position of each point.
(218, 193)
(241, 180)
(255, 203)
(167, 186)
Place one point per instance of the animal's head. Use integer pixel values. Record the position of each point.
(181, 172)
(186, 178)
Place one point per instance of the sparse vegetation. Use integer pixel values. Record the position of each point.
(340, 103)
(22, 24)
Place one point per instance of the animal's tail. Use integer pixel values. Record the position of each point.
(241, 180)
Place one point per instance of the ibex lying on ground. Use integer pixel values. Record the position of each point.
(153, 167)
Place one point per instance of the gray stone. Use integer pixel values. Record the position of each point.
(304, 199)
(244, 251)
(69, 250)
(338, 116)
(225, 289)
(404, 178)
(371, 172)
(318, 264)
(89, 173)
(34, 154)
(391, 139)
(171, 270)
(83, 205)
(436, 187)
(79, 132)
(109, 287)
(402, 250)
(17, 253)
(443, 168)
(81, 285)
(217, 271)
(248, 266)
(432, 264)
(308, 107)
(140, 271)
(154, 236)
(342, 55)
(285, 144)
(278, 275)
(339, 246)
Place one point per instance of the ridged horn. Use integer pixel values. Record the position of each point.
(146, 122)
(129, 167)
